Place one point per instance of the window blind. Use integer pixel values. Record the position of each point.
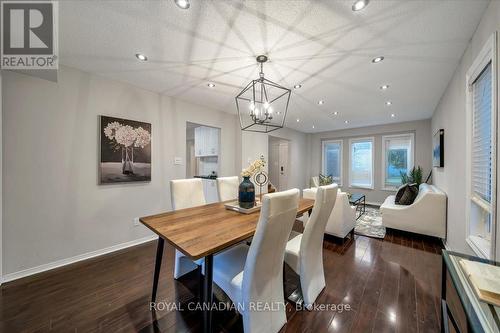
(362, 163)
(398, 158)
(481, 135)
(332, 159)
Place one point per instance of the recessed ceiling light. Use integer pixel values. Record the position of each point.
(377, 59)
(393, 115)
(141, 57)
(346, 121)
(359, 4)
(321, 102)
(384, 87)
(297, 86)
(211, 85)
(388, 103)
(336, 113)
(313, 126)
(183, 4)
(298, 119)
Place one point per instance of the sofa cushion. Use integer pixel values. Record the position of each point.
(409, 195)
(400, 192)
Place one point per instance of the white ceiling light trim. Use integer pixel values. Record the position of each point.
(182, 4)
(359, 5)
(141, 57)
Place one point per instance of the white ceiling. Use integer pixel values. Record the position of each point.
(323, 45)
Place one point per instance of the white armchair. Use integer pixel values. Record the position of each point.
(253, 274)
(426, 215)
(227, 188)
(343, 217)
(186, 193)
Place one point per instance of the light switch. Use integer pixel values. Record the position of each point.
(177, 160)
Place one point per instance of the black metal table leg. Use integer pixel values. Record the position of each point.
(159, 255)
(207, 294)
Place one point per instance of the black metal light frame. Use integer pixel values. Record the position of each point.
(257, 87)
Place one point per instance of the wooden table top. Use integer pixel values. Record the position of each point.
(204, 230)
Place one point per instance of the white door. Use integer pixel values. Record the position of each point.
(274, 163)
(283, 165)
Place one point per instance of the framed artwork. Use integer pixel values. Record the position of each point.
(438, 149)
(125, 151)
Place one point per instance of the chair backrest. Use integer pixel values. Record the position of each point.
(263, 275)
(314, 181)
(227, 188)
(311, 246)
(187, 193)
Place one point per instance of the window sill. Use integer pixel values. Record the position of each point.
(361, 187)
(391, 189)
(480, 246)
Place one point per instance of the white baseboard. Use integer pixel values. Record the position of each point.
(67, 261)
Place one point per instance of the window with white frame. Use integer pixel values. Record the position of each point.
(332, 159)
(481, 148)
(397, 158)
(361, 163)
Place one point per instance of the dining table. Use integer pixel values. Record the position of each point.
(201, 232)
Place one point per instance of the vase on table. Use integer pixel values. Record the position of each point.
(246, 194)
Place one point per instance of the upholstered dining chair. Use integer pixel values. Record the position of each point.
(304, 252)
(254, 274)
(227, 188)
(186, 193)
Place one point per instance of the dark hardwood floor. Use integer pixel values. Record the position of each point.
(391, 285)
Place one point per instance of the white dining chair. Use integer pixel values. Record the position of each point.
(304, 252)
(186, 193)
(227, 188)
(253, 275)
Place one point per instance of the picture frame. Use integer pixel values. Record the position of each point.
(124, 150)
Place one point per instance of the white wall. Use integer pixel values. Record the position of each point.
(53, 208)
(256, 144)
(423, 152)
(450, 115)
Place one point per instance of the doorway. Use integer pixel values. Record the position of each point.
(279, 169)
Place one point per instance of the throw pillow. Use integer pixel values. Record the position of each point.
(399, 193)
(325, 180)
(410, 194)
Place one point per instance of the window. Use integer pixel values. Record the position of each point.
(481, 147)
(397, 157)
(332, 160)
(361, 163)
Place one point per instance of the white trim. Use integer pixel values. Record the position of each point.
(475, 245)
(351, 141)
(411, 163)
(487, 54)
(72, 260)
(341, 159)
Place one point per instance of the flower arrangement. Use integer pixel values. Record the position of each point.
(125, 137)
(256, 166)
